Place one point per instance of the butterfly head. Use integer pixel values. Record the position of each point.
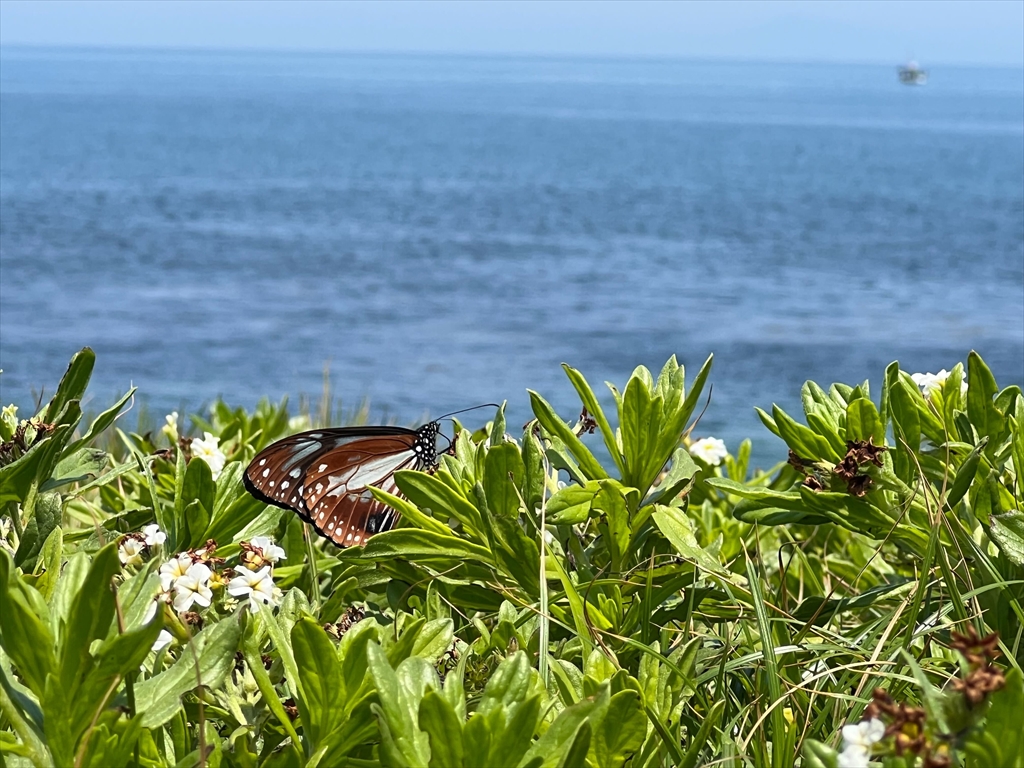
(425, 446)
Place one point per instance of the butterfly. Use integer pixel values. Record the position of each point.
(324, 475)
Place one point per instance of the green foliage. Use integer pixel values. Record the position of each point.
(604, 591)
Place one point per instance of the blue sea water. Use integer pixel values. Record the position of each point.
(446, 230)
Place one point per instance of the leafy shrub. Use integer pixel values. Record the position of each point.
(667, 604)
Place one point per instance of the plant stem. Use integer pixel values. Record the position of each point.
(544, 622)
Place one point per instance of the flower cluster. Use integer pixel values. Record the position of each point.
(710, 450)
(254, 575)
(905, 729)
(930, 383)
(190, 579)
(134, 545)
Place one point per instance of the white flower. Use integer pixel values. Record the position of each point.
(171, 427)
(858, 739)
(853, 757)
(207, 449)
(930, 383)
(173, 570)
(154, 535)
(710, 450)
(258, 586)
(164, 639)
(270, 550)
(193, 587)
(130, 551)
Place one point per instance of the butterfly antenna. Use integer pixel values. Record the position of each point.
(454, 413)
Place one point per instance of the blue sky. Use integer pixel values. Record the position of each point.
(934, 31)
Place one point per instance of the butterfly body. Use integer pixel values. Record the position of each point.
(323, 475)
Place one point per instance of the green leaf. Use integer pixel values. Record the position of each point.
(411, 513)
(321, 684)
(560, 737)
(195, 504)
(550, 421)
(90, 618)
(680, 473)
(593, 406)
(1007, 531)
(24, 634)
(208, 657)
(503, 474)
(35, 466)
(50, 557)
(438, 720)
(622, 730)
(612, 504)
(430, 492)
(115, 658)
(46, 518)
(413, 544)
(571, 505)
(1018, 444)
(981, 389)
(676, 527)
(575, 754)
(434, 639)
(497, 436)
(508, 685)
(640, 425)
(517, 737)
(802, 440)
(965, 475)
(906, 426)
(76, 467)
(72, 384)
(863, 422)
(100, 423)
(400, 692)
(233, 507)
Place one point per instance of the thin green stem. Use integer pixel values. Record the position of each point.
(544, 621)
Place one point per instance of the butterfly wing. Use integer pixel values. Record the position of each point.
(322, 475)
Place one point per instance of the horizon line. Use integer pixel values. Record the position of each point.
(384, 52)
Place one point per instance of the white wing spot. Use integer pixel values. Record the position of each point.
(284, 485)
(266, 472)
(295, 472)
(262, 462)
(317, 434)
(349, 537)
(319, 487)
(330, 526)
(321, 468)
(271, 483)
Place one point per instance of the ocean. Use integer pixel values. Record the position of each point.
(444, 231)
